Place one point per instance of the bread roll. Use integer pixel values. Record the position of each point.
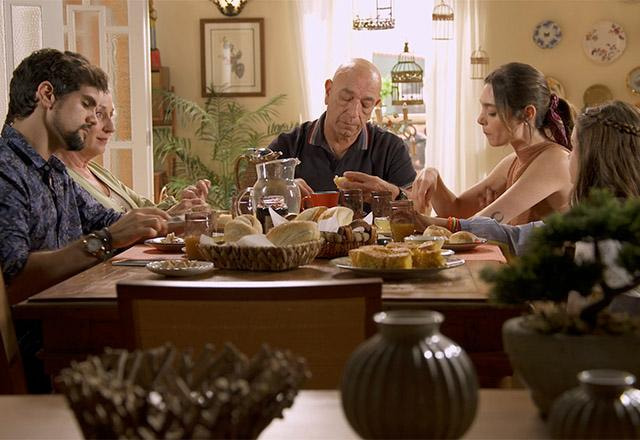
(236, 229)
(311, 214)
(293, 233)
(339, 181)
(251, 221)
(462, 237)
(436, 231)
(343, 214)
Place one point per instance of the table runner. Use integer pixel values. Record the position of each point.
(484, 252)
(144, 252)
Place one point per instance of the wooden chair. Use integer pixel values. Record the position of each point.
(324, 321)
(12, 379)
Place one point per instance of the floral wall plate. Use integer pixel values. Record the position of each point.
(547, 34)
(596, 94)
(605, 42)
(633, 80)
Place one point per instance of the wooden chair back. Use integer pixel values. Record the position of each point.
(324, 321)
(12, 379)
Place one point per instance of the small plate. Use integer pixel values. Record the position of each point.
(596, 94)
(461, 247)
(547, 34)
(179, 268)
(396, 274)
(605, 42)
(633, 80)
(157, 243)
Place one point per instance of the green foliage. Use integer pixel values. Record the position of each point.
(228, 128)
(385, 89)
(548, 270)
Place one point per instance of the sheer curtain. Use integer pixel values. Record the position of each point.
(455, 143)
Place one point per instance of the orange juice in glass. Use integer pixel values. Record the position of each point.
(401, 220)
(197, 221)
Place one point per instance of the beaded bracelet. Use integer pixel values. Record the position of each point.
(453, 224)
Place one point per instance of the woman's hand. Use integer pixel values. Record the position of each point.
(423, 188)
(199, 190)
(184, 205)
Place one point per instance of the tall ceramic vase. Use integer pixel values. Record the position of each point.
(409, 381)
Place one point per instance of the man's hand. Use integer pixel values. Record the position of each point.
(424, 188)
(138, 224)
(199, 190)
(305, 189)
(368, 184)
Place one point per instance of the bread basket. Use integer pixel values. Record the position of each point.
(338, 244)
(269, 259)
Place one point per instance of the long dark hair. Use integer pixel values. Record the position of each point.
(608, 150)
(66, 71)
(517, 85)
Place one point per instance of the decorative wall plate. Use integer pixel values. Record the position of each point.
(547, 34)
(555, 86)
(596, 95)
(604, 42)
(633, 80)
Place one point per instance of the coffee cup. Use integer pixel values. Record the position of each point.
(321, 198)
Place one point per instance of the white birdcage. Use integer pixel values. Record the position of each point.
(363, 18)
(479, 64)
(442, 17)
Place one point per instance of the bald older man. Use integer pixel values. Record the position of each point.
(342, 143)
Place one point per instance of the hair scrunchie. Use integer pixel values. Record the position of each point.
(555, 124)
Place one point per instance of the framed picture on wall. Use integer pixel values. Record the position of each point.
(232, 56)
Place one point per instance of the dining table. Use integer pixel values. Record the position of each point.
(79, 316)
(501, 414)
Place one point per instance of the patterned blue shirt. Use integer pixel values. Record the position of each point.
(41, 207)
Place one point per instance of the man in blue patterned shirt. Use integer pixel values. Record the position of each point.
(50, 228)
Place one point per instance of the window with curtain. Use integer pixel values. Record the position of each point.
(454, 142)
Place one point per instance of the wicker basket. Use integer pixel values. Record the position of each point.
(270, 259)
(332, 249)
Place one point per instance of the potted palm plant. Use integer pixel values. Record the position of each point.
(228, 128)
(575, 268)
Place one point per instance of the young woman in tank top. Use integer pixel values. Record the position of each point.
(533, 181)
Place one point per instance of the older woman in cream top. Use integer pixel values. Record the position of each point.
(104, 186)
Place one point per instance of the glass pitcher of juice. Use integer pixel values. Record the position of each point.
(401, 220)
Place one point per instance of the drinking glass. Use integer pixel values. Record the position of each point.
(401, 219)
(197, 221)
(352, 199)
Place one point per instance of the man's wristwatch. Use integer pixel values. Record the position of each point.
(402, 195)
(98, 244)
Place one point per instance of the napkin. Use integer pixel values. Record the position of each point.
(276, 218)
(254, 240)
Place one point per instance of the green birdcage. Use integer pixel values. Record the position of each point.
(406, 80)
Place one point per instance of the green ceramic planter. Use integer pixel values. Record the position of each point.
(549, 364)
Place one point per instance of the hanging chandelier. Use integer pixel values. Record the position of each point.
(406, 80)
(442, 17)
(383, 18)
(229, 7)
(479, 64)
